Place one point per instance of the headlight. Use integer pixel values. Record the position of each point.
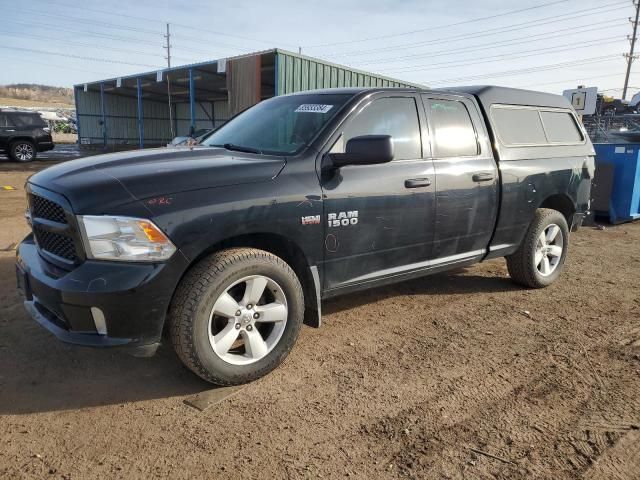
(124, 238)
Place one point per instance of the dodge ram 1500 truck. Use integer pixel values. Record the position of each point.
(230, 246)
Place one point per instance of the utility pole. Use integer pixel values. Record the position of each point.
(168, 46)
(630, 56)
(168, 57)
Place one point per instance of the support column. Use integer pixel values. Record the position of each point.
(140, 122)
(103, 116)
(192, 101)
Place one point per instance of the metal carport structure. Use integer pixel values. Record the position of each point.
(149, 109)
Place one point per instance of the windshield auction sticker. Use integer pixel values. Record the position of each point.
(313, 108)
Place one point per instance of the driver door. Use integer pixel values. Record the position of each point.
(378, 219)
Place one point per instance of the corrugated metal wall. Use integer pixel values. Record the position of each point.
(121, 120)
(297, 73)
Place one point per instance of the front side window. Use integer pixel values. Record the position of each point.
(281, 125)
(394, 116)
(453, 132)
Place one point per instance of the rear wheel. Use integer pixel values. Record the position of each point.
(236, 315)
(22, 151)
(541, 256)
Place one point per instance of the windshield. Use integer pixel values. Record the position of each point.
(279, 126)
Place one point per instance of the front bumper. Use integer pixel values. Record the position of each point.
(98, 303)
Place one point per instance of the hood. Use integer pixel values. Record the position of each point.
(95, 184)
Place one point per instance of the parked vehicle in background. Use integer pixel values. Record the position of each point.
(197, 137)
(228, 246)
(23, 134)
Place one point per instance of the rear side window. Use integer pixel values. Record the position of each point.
(395, 116)
(453, 135)
(518, 126)
(5, 121)
(561, 127)
(27, 120)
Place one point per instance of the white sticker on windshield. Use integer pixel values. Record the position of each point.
(314, 108)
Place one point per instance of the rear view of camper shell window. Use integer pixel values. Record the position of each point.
(518, 126)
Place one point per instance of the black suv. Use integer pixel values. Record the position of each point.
(23, 134)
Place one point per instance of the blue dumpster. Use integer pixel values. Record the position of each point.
(624, 160)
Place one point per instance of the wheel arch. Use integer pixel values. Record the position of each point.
(19, 138)
(562, 203)
(291, 253)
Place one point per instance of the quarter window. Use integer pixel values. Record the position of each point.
(393, 116)
(453, 132)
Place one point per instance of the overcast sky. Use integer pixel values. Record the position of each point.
(549, 46)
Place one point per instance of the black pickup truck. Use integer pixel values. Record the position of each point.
(230, 246)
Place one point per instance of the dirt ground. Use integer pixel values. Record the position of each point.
(456, 376)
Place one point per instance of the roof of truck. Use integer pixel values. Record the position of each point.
(487, 95)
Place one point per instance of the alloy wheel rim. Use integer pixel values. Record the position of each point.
(549, 247)
(247, 320)
(24, 151)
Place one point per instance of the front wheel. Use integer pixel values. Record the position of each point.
(540, 258)
(236, 315)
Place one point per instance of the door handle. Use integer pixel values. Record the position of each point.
(9, 130)
(482, 177)
(417, 182)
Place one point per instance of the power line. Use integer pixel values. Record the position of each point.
(488, 32)
(84, 32)
(146, 19)
(574, 81)
(79, 57)
(24, 60)
(521, 71)
(510, 56)
(76, 44)
(497, 44)
(438, 27)
(70, 18)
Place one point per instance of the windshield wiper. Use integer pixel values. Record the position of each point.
(238, 148)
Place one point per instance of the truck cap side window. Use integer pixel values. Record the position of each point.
(395, 116)
(281, 125)
(518, 126)
(561, 127)
(454, 134)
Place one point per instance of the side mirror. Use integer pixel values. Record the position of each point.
(365, 150)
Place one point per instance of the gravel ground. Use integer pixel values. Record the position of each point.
(463, 375)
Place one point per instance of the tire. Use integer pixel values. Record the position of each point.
(23, 151)
(527, 266)
(199, 333)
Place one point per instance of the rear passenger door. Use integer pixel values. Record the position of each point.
(466, 178)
